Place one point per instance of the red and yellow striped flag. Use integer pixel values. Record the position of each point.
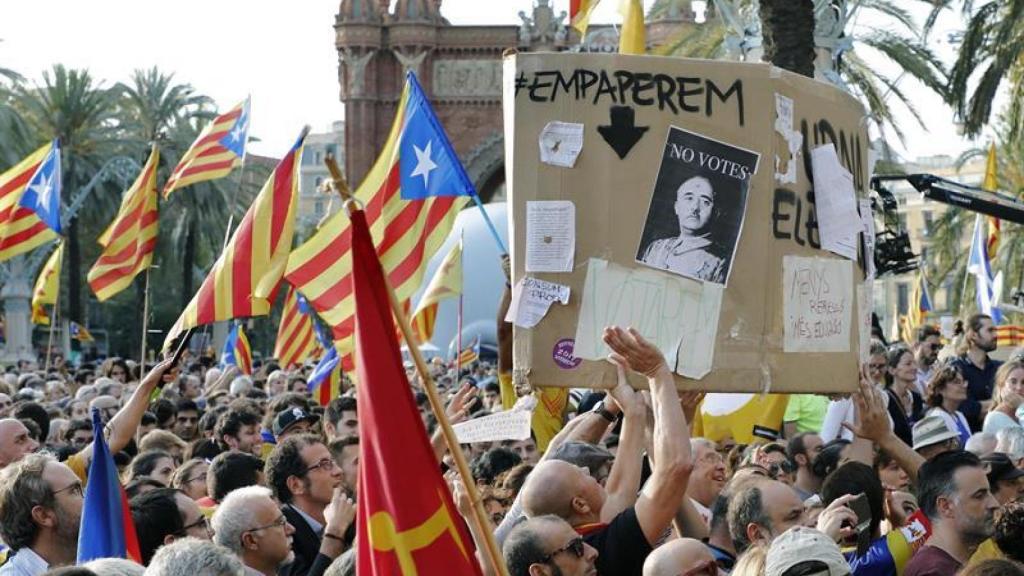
(446, 283)
(30, 202)
(246, 276)
(219, 148)
(129, 241)
(991, 184)
(296, 338)
(406, 233)
(579, 14)
(47, 286)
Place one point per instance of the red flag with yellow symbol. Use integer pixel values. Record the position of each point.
(408, 524)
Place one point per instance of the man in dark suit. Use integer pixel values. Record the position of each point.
(307, 482)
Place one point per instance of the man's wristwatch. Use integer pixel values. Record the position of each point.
(603, 412)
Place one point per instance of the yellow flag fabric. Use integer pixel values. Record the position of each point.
(47, 285)
(446, 283)
(632, 36)
(991, 184)
(745, 418)
(579, 14)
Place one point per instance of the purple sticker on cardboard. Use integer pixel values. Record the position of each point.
(562, 354)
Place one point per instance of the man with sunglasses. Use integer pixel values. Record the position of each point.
(251, 525)
(306, 480)
(624, 540)
(926, 352)
(548, 546)
(40, 511)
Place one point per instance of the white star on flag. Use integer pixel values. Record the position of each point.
(239, 129)
(42, 190)
(423, 164)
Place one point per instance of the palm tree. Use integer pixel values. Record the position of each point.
(993, 43)
(72, 106)
(788, 28)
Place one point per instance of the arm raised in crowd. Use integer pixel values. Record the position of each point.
(872, 424)
(624, 477)
(657, 504)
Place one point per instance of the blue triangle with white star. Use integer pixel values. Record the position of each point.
(238, 135)
(428, 165)
(42, 194)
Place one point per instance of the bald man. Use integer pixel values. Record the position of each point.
(682, 556)
(571, 493)
(15, 441)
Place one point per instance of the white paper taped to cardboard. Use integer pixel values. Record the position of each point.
(511, 425)
(817, 299)
(794, 139)
(560, 143)
(865, 305)
(531, 300)
(671, 312)
(550, 235)
(835, 202)
(867, 220)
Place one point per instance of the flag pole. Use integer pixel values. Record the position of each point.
(479, 516)
(490, 225)
(458, 345)
(145, 320)
(53, 314)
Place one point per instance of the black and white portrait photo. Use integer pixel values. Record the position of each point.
(696, 211)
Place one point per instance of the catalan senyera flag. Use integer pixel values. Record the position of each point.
(470, 353)
(446, 283)
(407, 232)
(296, 336)
(325, 379)
(579, 14)
(30, 202)
(991, 183)
(1010, 335)
(129, 241)
(237, 351)
(405, 508)
(219, 148)
(245, 277)
(106, 529)
(47, 285)
(632, 35)
(920, 303)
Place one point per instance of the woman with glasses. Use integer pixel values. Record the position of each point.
(1007, 397)
(905, 404)
(190, 478)
(946, 391)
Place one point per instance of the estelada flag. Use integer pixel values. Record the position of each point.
(405, 513)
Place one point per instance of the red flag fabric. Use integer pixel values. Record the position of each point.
(405, 507)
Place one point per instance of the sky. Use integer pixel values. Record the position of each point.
(282, 53)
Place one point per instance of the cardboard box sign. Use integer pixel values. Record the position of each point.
(678, 193)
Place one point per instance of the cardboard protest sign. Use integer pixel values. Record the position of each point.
(692, 198)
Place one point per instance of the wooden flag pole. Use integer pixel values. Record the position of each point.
(53, 314)
(479, 516)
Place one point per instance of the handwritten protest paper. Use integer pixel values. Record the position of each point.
(512, 425)
(867, 221)
(550, 235)
(794, 139)
(865, 304)
(561, 143)
(531, 299)
(817, 301)
(835, 201)
(670, 311)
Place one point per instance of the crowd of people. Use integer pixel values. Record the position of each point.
(918, 473)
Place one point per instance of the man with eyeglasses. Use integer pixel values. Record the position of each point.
(306, 480)
(709, 476)
(40, 511)
(250, 524)
(548, 546)
(164, 515)
(926, 352)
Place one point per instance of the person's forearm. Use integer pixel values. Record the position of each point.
(671, 437)
(439, 445)
(624, 479)
(504, 333)
(590, 429)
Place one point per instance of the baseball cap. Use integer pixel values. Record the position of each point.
(931, 430)
(999, 467)
(582, 454)
(291, 417)
(801, 544)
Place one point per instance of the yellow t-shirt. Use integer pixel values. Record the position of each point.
(986, 551)
(548, 417)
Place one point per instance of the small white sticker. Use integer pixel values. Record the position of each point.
(561, 143)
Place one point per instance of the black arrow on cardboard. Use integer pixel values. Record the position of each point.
(623, 133)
